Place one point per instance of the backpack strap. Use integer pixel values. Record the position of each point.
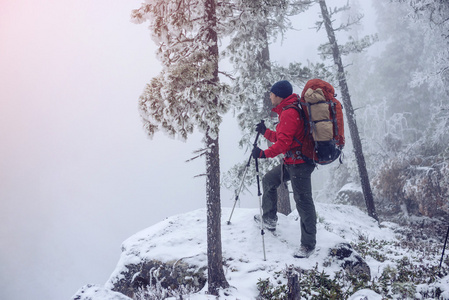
(302, 114)
(297, 154)
(334, 118)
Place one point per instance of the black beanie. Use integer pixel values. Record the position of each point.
(282, 89)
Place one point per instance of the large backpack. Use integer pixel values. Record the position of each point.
(324, 131)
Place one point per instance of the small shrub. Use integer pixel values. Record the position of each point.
(268, 291)
(366, 247)
(313, 285)
(157, 292)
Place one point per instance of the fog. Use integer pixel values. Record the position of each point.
(77, 173)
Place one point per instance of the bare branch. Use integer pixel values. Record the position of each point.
(227, 75)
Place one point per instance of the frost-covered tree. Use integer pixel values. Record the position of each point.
(257, 24)
(405, 85)
(431, 17)
(188, 94)
(336, 51)
(435, 12)
(415, 58)
(248, 52)
(390, 109)
(434, 16)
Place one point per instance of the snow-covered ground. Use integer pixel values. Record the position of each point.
(184, 237)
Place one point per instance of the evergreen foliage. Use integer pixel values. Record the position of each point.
(413, 273)
(188, 94)
(248, 51)
(185, 95)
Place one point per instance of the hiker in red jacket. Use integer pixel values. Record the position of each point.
(287, 139)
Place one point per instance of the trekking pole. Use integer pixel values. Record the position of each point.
(262, 232)
(444, 247)
(243, 179)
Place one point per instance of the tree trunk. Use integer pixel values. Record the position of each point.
(293, 288)
(215, 275)
(364, 178)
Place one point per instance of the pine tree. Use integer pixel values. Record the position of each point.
(337, 51)
(187, 94)
(256, 23)
(250, 54)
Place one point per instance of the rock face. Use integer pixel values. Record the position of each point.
(349, 260)
(169, 259)
(350, 194)
(172, 275)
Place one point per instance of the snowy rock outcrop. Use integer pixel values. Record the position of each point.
(343, 255)
(170, 275)
(351, 194)
(93, 292)
(172, 254)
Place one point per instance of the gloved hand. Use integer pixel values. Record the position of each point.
(258, 153)
(261, 128)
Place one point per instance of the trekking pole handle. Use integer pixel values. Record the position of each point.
(258, 133)
(254, 145)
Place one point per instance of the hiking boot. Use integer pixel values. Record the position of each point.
(303, 252)
(269, 224)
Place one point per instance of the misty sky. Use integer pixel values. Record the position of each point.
(77, 173)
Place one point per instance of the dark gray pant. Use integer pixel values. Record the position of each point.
(300, 176)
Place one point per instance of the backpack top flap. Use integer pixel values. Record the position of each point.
(316, 83)
(314, 96)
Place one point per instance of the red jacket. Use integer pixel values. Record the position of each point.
(290, 126)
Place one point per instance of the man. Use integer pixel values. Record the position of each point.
(287, 139)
